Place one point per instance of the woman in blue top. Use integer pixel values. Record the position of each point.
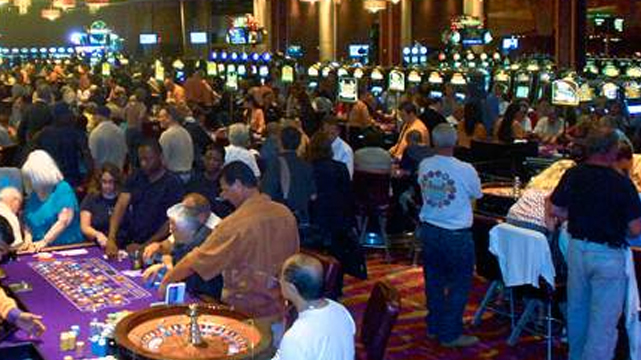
(51, 210)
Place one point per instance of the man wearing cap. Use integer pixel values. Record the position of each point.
(107, 141)
(190, 223)
(67, 145)
(248, 247)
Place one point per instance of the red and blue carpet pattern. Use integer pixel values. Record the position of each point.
(408, 340)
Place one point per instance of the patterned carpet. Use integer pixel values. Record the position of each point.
(408, 340)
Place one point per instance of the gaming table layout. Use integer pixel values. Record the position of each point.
(58, 283)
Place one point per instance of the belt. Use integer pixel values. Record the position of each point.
(444, 229)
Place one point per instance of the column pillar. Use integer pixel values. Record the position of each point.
(569, 39)
(262, 11)
(406, 23)
(327, 30)
(280, 23)
(474, 8)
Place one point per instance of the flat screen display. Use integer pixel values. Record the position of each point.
(510, 44)
(212, 68)
(148, 39)
(198, 37)
(237, 36)
(358, 50)
(348, 89)
(434, 94)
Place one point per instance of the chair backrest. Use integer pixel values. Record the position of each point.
(486, 263)
(382, 310)
(524, 255)
(371, 190)
(331, 273)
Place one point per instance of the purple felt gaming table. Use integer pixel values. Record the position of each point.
(58, 311)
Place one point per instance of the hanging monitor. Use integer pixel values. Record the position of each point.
(197, 38)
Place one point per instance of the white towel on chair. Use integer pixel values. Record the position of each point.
(523, 255)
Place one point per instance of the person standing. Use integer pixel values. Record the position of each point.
(107, 141)
(177, 145)
(602, 208)
(448, 187)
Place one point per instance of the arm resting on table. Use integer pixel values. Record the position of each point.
(65, 216)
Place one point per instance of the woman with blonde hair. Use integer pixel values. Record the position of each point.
(51, 210)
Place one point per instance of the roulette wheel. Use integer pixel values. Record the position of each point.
(194, 332)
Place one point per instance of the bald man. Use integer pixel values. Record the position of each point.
(10, 204)
(324, 329)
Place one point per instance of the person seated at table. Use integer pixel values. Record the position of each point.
(96, 208)
(207, 182)
(471, 128)
(409, 115)
(530, 209)
(248, 247)
(324, 329)
(9, 311)
(188, 224)
(549, 127)
(509, 128)
(10, 205)
(145, 198)
(51, 210)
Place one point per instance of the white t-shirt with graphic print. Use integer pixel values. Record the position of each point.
(448, 187)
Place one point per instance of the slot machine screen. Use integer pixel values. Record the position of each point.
(287, 74)
(396, 81)
(212, 68)
(460, 96)
(633, 107)
(232, 80)
(348, 89)
(522, 92)
(179, 76)
(263, 71)
(610, 90)
(376, 90)
(436, 94)
(565, 93)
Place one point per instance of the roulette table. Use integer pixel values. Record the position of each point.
(72, 287)
(165, 333)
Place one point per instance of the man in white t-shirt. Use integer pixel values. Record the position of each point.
(448, 187)
(324, 329)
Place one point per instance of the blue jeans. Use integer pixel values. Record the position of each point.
(596, 293)
(448, 266)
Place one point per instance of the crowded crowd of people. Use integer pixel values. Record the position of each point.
(221, 187)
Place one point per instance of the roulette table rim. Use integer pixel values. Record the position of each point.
(132, 351)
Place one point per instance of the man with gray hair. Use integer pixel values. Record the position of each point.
(448, 187)
(238, 135)
(10, 204)
(602, 208)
